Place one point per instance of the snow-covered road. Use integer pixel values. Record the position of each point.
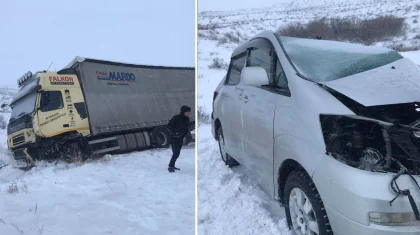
(124, 194)
(229, 201)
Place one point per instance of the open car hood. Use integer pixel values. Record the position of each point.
(394, 83)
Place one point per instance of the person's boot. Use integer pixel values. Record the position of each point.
(171, 169)
(175, 168)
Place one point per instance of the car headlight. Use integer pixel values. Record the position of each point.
(393, 219)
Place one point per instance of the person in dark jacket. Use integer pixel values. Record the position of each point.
(179, 126)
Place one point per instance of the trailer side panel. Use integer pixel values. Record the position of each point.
(120, 98)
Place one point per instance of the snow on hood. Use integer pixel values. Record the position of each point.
(383, 85)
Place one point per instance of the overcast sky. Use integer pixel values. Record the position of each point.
(35, 33)
(227, 5)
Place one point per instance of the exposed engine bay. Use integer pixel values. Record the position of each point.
(378, 138)
(371, 145)
(383, 138)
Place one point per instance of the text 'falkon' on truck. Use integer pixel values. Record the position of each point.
(95, 107)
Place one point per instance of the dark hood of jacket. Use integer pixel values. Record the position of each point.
(185, 109)
(179, 124)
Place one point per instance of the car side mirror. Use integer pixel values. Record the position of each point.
(254, 76)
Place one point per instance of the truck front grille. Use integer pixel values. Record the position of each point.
(18, 139)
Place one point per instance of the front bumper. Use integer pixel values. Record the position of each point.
(350, 194)
(20, 157)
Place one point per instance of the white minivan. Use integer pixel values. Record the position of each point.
(330, 129)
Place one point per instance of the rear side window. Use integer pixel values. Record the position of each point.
(237, 63)
(51, 100)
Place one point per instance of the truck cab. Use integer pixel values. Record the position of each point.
(47, 105)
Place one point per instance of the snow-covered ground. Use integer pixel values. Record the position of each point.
(122, 194)
(229, 200)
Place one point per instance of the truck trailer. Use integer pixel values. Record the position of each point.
(93, 107)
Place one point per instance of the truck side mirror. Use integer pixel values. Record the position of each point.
(254, 76)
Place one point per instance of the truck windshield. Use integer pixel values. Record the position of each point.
(322, 60)
(24, 105)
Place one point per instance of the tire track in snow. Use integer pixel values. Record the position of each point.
(229, 201)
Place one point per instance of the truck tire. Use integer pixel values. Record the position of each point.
(305, 210)
(162, 136)
(74, 153)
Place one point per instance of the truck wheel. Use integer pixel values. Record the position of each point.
(73, 152)
(305, 210)
(162, 136)
(226, 158)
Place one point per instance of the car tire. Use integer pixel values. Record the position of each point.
(304, 207)
(162, 136)
(226, 158)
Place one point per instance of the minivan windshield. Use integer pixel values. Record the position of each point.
(24, 105)
(321, 60)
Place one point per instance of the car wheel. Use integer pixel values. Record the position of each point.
(227, 159)
(305, 210)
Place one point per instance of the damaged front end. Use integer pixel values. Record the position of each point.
(370, 144)
(383, 138)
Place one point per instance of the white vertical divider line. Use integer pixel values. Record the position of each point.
(196, 116)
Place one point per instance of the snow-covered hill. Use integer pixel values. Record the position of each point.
(123, 194)
(229, 200)
(251, 21)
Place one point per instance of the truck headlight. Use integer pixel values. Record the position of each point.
(392, 219)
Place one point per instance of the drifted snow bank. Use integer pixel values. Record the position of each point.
(123, 194)
(229, 201)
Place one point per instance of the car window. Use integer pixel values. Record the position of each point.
(280, 80)
(262, 54)
(51, 100)
(236, 65)
(261, 57)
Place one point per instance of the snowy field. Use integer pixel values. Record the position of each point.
(122, 194)
(229, 200)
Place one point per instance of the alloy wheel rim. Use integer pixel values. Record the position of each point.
(302, 213)
(222, 146)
